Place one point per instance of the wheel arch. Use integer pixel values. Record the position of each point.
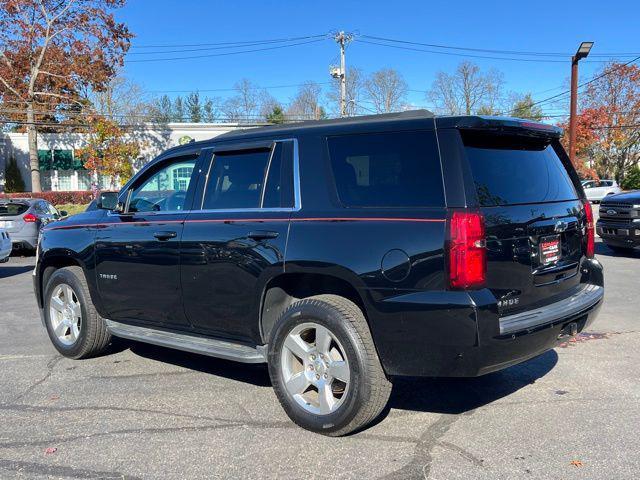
(53, 260)
(286, 288)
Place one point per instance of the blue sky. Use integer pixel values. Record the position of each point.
(502, 25)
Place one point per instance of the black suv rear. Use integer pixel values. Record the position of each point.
(342, 253)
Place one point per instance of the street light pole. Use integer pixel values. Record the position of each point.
(583, 52)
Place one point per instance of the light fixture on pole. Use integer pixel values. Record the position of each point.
(583, 52)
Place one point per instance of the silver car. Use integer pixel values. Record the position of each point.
(596, 190)
(23, 218)
(5, 245)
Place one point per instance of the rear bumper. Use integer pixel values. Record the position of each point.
(574, 306)
(24, 241)
(463, 335)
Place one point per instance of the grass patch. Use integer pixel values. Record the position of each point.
(72, 208)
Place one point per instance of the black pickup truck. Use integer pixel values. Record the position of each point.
(342, 253)
(619, 222)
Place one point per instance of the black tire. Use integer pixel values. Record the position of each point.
(93, 337)
(369, 388)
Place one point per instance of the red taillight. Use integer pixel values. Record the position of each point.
(30, 218)
(591, 239)
(467, 251)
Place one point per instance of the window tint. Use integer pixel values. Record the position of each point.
(12, 209)
(236, 179)
(166, 188)
(510, 170)
(278, 192)
(400, 169)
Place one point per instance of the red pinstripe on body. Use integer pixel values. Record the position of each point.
(245, 220)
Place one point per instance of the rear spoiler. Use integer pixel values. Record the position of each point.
(497, 125)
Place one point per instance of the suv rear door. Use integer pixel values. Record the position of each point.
(535, 221)
(234, 239)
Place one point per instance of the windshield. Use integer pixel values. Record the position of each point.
(12, 209)
(511, 170)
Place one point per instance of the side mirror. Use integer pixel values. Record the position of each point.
(63, 213)
(107, 201)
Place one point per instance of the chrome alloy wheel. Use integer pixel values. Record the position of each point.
(65, 314)
(315, 368)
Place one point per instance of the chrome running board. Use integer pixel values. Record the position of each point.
(189, 343)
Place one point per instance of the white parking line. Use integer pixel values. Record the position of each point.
(20, 357)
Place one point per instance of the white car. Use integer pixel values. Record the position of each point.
(5, 245)
(596, 190)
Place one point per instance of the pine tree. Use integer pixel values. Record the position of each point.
(194, 107)
(163, 109)
(209, 111)
(276, 115)
(178, 110)
(13, 181)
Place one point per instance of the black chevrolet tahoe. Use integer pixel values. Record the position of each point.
(619, 222)
(342, 253)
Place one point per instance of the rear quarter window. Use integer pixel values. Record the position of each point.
(395, 169)
(511, 170)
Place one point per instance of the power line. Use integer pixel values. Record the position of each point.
(225, 53)
(241, 42)
(227, 47)
(233, 89)
(584, 84)
(468, 55)
(485, 50)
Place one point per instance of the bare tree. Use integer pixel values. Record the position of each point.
(355, 81)
(387, 90)
(243, 106)
(266, 103)
(121, 100)
(306, 104)
(467, 90)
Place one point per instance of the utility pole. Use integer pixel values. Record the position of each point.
(340, 73)
(583, 52)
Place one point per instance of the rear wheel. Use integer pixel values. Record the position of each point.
(324, 366)
(73, 324)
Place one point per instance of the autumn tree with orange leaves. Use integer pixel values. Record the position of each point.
(108, 151)
(608, 126)
(51, 51)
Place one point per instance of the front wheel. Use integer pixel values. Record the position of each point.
(324, 366)
(73, 324)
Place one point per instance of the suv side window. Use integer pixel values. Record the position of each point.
(165, 188)
(278, 192)
(251, 179)
(397, 169)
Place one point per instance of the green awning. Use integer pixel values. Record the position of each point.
(58, 160)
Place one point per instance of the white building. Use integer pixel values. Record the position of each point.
(60, 170)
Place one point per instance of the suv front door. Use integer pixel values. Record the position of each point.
(137, 251)
(234, 242)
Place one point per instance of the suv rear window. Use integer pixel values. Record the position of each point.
(398, 169)
(12, 209)
(511, 170)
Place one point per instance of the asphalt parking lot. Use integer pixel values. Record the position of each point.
(147, 412)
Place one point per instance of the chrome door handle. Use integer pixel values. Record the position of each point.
(163, 236)
(262, 234)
